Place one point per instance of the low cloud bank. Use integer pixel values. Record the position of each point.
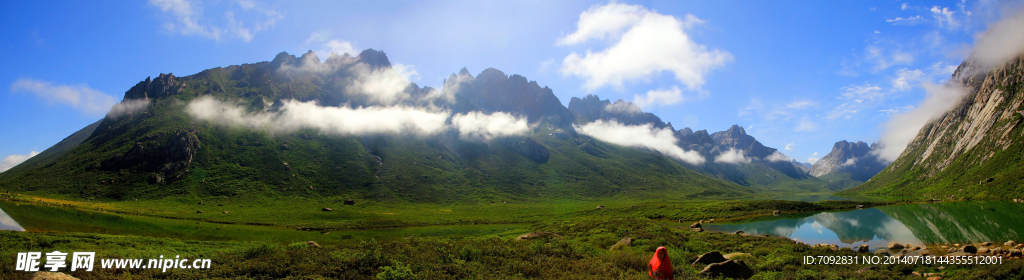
(477, 125)
(641, 136)
(1002, 41)
(13, 160)
(902, 128)
(127, 107)
(295, 115)
(733, 156)
(777, 156)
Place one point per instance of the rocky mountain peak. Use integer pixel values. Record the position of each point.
(163, 85)
(737, 138)
(374, 58)
(465, 71)
(853, 157)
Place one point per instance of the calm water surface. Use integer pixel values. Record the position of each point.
(968, 221)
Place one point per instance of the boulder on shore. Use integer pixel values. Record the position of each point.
(623, 243)
(730, 269)
(695, 225)
(895, 246)
(50, 276)
(710, 258)
(326, 209)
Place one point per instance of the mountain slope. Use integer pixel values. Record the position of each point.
(252, 148)
(973, 150)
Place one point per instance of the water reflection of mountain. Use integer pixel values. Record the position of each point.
(995, 221)
(7, 223)
(849, 227)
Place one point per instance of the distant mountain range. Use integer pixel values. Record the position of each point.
(350, 126)
(848, 164)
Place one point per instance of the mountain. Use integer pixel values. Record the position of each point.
(348, 127)
(848, 164)
(731, 155)
(974, 149)
(802, 165)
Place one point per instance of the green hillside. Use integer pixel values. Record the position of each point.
(161, 151)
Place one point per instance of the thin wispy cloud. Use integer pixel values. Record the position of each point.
(241, 19)
(80, 97)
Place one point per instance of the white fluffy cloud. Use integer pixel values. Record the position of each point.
(733, 156)
(777, 156)
(1001, 42)
(902, 128)
(80, 97)
(660, 97)
(905, 77)
(645, 43)
(190, 21)
(477, 125)
(340, 47)
(13, 160)
(813, 158)
(641, 136)
(789, 147)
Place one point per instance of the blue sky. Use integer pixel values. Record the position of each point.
(798, 75)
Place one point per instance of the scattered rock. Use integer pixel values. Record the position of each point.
(353, 202)
(881, 252)
(199, 212)
(50, 276)
(895, 246)
(730, 269)
(776, 212)
(954, 254)
(1010, 243)
(998, 251)
(225, 212)
(697, 229)
(942, 268)
(986, 244)
(313, 244)
(710, 258)
(711, 221)
(736, 255)
(860, 206)
(599, 207)
(969, 249)
(695, 225)
(983, 250)
(1014, 253)
(738, 232)
(536, 234)
(625, 242)
(864, 248)
(326, 209)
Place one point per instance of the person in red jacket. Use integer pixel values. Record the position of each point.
(661, 266)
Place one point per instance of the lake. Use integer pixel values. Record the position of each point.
(928, 223)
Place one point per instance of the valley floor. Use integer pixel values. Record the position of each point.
(578, 249)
